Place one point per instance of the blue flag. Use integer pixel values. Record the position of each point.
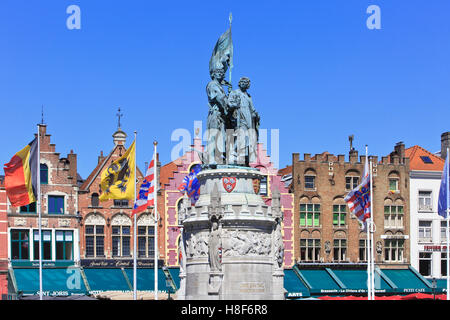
(191, 185)
(442, 202)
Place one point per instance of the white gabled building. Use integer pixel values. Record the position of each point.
(428, 229)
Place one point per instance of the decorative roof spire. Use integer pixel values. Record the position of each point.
(119, 137)
(119, 115)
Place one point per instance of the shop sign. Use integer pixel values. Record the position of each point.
(119, 263)
(435, 248)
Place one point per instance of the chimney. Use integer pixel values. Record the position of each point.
(399, 149)
(445, 143)
(100, 157)
(353, 156)
(72, 157)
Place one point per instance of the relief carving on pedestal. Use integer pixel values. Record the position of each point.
(197, 245)
(247, 243)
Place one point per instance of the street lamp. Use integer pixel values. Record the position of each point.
(433, 286)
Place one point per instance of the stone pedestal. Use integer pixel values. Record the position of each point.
(248, 267)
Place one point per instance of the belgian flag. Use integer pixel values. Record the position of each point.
(21, 175)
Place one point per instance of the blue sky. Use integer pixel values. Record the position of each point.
(318, 73)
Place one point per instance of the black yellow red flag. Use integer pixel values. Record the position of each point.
(21, 176)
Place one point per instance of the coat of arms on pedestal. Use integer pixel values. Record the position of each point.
(229, 183)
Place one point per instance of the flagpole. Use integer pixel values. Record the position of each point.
(372, 256)
(369, 255)
(135, 227)
(38, 206)
(448, 232)
(155, 211)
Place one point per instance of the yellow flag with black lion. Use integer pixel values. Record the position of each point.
(118, 180)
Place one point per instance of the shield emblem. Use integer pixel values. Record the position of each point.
(229, 183)
(256, 185)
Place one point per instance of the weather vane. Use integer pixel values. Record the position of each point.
(351, 138)
(118, 116)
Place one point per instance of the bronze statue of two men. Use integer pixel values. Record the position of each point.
(232, 124)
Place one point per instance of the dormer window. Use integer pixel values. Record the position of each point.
(95, 200)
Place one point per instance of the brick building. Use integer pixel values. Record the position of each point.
(59, 202)
(59, 184)
(172, 175)
(325, 231)
(107, 227)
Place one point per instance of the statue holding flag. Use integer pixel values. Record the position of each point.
(233, 123)
(221, 60)
(228, 207)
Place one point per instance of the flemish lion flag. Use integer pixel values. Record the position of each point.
(21, 176)
(118, 180)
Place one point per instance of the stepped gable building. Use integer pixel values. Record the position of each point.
(325, 231)
(59, 189)
(106, 228)
(172, 175)
(428, 228)
(59, 202)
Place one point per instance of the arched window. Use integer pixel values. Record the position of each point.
(94, 230)
(44, 173)
(393, 213)
(339, 213)
(340, 247)
(351, 179)
(310, 247)
(394, 179)
(309, 212)
(121, 236)
(310, 179)
(146, 237)
(94, 200)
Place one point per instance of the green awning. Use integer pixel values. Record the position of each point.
(294, 286)
(320, 281)
(106, 279)
(441, 285)
(146, 279)
(407, 280)
(341, 280)
(357, 280)
(175, 272)
(55, 281)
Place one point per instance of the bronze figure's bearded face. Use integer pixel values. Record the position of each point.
(218, 74)
(244, 83)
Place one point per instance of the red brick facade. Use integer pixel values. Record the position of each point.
(320, 185)
(113, 217)
(59, 202)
